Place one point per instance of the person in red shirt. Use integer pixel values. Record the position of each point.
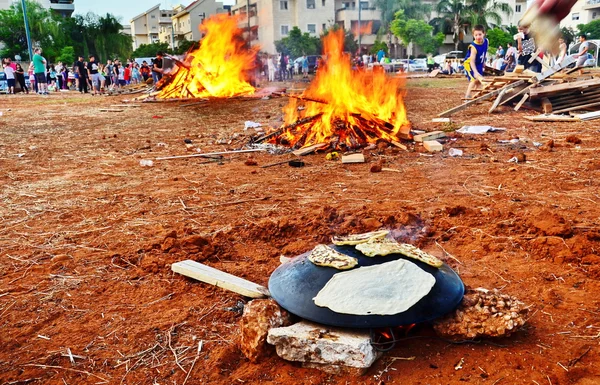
(127, 74)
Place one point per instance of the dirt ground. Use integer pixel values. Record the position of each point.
(87, 237)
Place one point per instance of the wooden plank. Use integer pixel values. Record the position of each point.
(479, 99)
(519, 68)
(589, 115)
(579, 107)
(126, 105)
(522, 90)
(353, 158)
(497, 101)
(570, 86)
(574, 102)
(111, 110)
(399, 145)
(219, 278)
(558, 67)
(434, 73)
(308, 150)
(552, 118)
(546, 106)
(579, 95)
(523, 100)
(429, 136)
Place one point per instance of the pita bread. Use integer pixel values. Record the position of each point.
(323, 255)
(389, 246)
(355, 239)
(385, 289)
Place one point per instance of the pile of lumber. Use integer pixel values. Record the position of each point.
(556, 90)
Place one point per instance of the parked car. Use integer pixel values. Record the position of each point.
(590, 62)
(440, 59)
(415, 65)
(3, 83)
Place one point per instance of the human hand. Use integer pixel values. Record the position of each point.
(559, 8)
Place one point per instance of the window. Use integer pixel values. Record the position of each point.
(324, 27)
(364, 5)
(575, 16)
(518, 8)
(285, 30)
(283, 5)
(310, 4)
(153, 16)
(594, 15)
(323, 2)
(163, 15)
(311, 28)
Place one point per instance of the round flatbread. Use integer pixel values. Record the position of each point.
(384, 289)
(323, 255)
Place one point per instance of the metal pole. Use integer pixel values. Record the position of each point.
(27, 30)
(359, 28)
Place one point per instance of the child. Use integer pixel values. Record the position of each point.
(475, 59)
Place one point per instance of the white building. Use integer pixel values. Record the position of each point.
(582, 12)
(145, 27)
(272, 20)
(65, 8)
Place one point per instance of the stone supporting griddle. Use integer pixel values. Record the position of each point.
(333, 350)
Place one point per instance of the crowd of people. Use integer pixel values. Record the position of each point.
(84, 75)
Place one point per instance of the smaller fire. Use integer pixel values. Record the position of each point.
(344, 108)
(220, 67)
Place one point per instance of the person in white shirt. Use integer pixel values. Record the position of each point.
(271, 68)
(10, 77)
(583, 50)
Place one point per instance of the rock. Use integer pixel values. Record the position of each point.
(331, 349)
(521, 157)
(260, 315)
(547, 146)
(370, 224)
(573, 139)
(483, 313)
(376, 168)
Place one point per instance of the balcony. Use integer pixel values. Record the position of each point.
(349, 14)
(591, 4)
(243, 22)
(65, 8)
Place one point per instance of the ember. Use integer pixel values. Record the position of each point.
(219, 68)
(345, 108)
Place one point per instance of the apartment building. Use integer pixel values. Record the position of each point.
(186, 20)
(272, 20)
(145, 27)
(582, 12)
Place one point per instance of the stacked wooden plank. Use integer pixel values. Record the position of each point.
(567, 97)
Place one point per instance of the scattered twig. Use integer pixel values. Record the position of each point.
(69, 370)
(237, 202)
(173, 350)
(574, 361)
(447, 253)
(194, 362)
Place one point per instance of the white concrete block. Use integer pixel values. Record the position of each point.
(313, 343)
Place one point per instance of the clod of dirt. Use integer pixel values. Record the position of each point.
(483, 313)
(550, 224)
(521, 157)
(573, 139)
(259, 316)
(591, 259)
(370, 224)
(376, 167)
(250, 162)
(547, 146)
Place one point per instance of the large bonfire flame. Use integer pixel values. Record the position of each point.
(345, 108)
(219, 67)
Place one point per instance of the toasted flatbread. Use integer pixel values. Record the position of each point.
(389, 246)
(355, 239)
(385, 289)
(323, 255)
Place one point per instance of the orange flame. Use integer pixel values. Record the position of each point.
(363, 105)
(220, 67)
(365, 28)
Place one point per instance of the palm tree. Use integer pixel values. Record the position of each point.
(453, 17)
(413, 9)
(487, 12)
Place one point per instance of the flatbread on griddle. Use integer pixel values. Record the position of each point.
(323, 255)
(384, 289)
(390, 246)
(355, 239)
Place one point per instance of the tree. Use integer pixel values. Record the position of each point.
(67, 55)
(413, 9)
(417, 32)
(379, 45)
(498, 37)
(487, 13)
(452, 19)
(297, 44)
(150, 50)
(591, 29)
(43, 29)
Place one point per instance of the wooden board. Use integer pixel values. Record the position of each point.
(479, 99)
(353, 158)
(589, 115)
(523, 100)
(546, 106)
(552, 118)
(219, 278)
(110, 110)
(310, 149)
(429, 136)
(434, 73)
(564, 87)
(578, 107)
(559, 67)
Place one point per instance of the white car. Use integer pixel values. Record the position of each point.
(590, 62)
(415, 65)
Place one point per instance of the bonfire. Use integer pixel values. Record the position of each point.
(220, 67)
(345, 108)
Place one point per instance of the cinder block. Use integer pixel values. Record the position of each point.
(433, 146)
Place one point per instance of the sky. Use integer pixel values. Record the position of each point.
(125, 9)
